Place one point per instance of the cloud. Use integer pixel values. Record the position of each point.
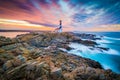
(74, 13)
(43, 24)
(79, 17)
(22, 25)
(15, 4)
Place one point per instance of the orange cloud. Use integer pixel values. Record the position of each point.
(23, 25)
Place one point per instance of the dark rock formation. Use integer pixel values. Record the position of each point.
(88, 36)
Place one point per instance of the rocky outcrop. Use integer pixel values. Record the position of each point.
(37, 56)
(88, 36)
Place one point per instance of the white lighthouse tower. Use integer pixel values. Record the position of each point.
(60, 26)
(59, 29)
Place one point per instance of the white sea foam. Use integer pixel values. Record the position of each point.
(80, 49)
(108, 40)
(103, 41)
(106, 66)
(111, 51)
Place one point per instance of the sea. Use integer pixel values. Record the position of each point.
(109, 59)
(11, 34)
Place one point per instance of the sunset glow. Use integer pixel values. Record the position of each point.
(76, 15)
(6, 23)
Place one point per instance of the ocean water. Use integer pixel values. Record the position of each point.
(108, 59)
(11, 34)
(108, 34)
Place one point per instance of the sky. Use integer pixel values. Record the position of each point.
(76, 15)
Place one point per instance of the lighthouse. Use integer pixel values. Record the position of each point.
(59, 29)
(60, 26)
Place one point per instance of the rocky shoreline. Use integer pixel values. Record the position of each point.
(38, 56)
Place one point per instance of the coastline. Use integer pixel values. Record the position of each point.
(41, 56)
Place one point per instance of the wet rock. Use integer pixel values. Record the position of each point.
(93, 64)
(87, 36)
(102, 48)
(85, 42)
(65, 47)
(89, 43)
(77, 40)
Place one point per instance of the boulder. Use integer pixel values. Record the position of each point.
(56, 73)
